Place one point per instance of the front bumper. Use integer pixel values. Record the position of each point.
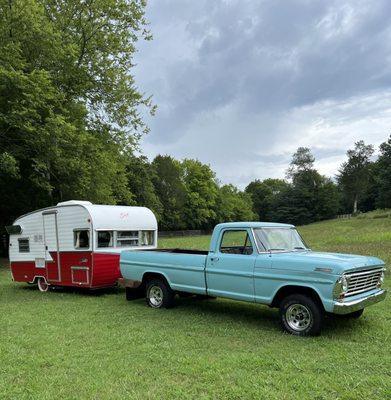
(346, 307)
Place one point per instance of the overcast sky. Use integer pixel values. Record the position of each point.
(241, 84)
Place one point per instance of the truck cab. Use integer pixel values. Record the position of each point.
(266, 263)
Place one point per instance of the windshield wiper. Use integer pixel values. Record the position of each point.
(276, 249)
(299, 248)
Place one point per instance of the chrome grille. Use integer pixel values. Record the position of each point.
(363, 281)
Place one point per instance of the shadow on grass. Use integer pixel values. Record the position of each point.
(75, 290)
(223, 311)
(218, 311)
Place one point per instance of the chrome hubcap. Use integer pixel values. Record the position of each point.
(155, 296)
(298, 317)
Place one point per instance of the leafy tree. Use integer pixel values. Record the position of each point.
(263, 194)
(233, 205)
(383, 175)
(302, 161)
(201, 194)
(310, 197)
(354, 174)
(171, 191)
(141, 176)
(68, 100)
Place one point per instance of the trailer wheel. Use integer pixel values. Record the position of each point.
(42, 285)
(159, 294)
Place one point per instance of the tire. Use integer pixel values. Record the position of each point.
(134, 293)
(159, 294)
(300, 315)
(42, 285)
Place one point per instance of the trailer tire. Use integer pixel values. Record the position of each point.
(159, 294)
(301, 315)
(42, 285)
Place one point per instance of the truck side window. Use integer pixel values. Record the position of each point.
(236, 242)
(82, 238)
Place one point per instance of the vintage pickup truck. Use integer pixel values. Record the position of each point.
(266, 263)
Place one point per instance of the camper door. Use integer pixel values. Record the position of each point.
(52, 256)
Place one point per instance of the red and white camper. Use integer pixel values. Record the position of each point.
(77, 243)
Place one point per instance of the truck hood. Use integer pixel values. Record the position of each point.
(337, 262)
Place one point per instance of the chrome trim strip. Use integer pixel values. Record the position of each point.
(347, 307)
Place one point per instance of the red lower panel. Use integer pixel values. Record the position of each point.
(25, 271)
(72, 261)
(106, 269)
(77, 269)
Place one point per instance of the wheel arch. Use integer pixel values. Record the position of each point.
(288, 290)
(149, 275)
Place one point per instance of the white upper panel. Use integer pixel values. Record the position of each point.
(121, 217)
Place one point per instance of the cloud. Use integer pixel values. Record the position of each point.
(241, 84)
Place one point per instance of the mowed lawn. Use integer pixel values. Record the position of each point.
(79, 345)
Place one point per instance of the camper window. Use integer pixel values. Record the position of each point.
(82, 239)
(147, 238)
(105, 239)
(127, 238)
(24, 245)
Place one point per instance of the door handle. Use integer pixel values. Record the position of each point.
(214, 259)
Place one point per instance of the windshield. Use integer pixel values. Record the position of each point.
(279, 239)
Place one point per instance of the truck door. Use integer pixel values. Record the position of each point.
(230, 269)
(52, 257)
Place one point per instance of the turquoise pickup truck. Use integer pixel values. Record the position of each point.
(266, 263)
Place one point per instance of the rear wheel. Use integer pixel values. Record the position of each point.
(159, 294)
(300, 315)
(42, 285)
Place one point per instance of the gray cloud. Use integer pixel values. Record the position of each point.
(239, 84)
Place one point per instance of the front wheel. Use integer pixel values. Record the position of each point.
(300, 315)
(159, 294)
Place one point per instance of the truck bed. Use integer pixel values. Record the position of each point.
(181, 251)
(183, 269)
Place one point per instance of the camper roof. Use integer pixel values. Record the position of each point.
(110, 217)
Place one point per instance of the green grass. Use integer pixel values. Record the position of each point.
(80, 345)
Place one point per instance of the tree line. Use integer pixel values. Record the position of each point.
(71, 120)
(361, 184)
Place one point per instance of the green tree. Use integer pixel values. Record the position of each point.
(68, 101)
(264, 194)
(233, 205)
(141, 176)
(201, 194)
(383, 175)
(354, 174)
(171, 191)
(310, 197)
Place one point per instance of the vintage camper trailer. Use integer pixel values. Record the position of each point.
(77, 243)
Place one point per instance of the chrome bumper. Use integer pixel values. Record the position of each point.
(346, 307)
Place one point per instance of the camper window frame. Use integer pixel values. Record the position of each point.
(89, 238)
(28, 245)
(113, 238)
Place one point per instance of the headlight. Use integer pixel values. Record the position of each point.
(344, 284)
(341, 287)
(381, 279)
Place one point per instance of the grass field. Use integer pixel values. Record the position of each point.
(80, 345)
